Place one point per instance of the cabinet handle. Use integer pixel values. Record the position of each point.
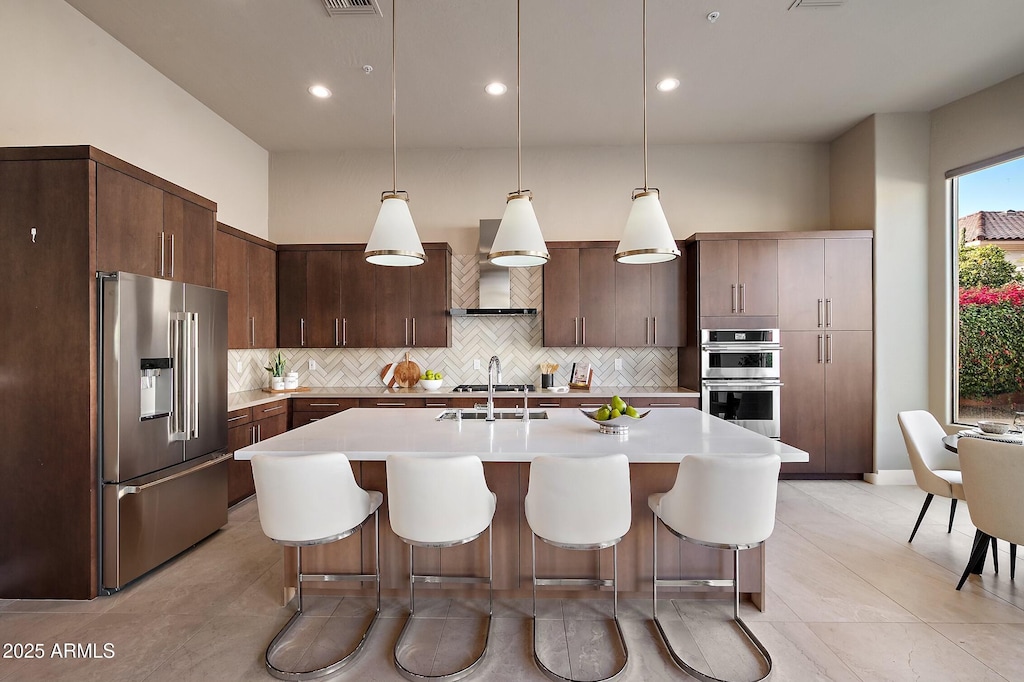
(647, 331)
(271, 409)
(828, 347)
(437, 404)
(821, 348)
(575, 331)
(315, 419)
(583, 327)
(733, 298)
(252, 435)
(390, 404)
(302, 331)
(344, 331)
(666, 405)
(172, 255)
(821, 312)
(591, 404)
(252, 332)
(335, 331)
(259, 433)
(828, 313)
(743, 298)
(234, 419)
(549, 404)
(162, 240)
(407, 331)
(654, 324)
(414, 331)
(324, 405)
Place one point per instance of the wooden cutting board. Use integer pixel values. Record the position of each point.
(407, 373)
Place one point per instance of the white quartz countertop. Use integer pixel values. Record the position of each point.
(244, 399)
(665, 435)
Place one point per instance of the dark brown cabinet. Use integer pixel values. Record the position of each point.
(246, 270)
(331, 298)
(579, 296)
(307, 410)
(246, 427)
(144, 229)
(647, 304)
(738, 277)
(825, 284)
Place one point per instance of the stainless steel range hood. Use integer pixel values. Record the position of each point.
(495, 283)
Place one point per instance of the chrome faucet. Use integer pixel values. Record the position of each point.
(494, 362)
(526, 404)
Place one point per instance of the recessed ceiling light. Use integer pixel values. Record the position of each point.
(320, 91)
(668, 84)
(496, 88)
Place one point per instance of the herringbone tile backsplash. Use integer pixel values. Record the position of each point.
(516, 340)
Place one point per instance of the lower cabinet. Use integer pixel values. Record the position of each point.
(245, 427)
(827, 400)
(308, 410)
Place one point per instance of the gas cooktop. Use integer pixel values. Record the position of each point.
(482, 388)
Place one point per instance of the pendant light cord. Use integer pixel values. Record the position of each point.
(394, 101)
(644, 30)
(519, 125)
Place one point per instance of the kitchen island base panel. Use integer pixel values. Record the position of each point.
(512, 569)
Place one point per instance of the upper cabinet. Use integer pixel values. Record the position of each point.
(738, 277)
(825, 284)
(246, 269)
(330, 297)
(147, 230)
(591, 300)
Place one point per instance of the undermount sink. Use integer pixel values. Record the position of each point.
(473, 415)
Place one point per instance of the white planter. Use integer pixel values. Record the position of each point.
(277, 383)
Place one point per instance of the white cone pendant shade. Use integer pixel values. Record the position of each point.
(394, 240)
(647, 237)
(519, 242)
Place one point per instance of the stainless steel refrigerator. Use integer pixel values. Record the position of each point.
(162, 422)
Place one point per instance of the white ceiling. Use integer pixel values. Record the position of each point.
(761, 73)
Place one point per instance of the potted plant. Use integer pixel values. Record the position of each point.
(276, 369)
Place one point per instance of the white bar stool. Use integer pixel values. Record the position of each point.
(724, 502)
(309, 500)
(579, 503)
(440, 502)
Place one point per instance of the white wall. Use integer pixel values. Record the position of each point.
(67, 82)
(579, 193)
(901, 278)
(977, 127)
(852, 178)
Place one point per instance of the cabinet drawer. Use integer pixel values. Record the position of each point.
(323, 404)
(589, 403)
(303, 418)
(388, 401)
(239, 417)
(270, 409)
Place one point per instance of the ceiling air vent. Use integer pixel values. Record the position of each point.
(339, 8)
(816, 4)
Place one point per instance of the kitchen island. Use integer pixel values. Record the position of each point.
(654, 445)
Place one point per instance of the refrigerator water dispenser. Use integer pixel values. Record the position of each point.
(156, 388)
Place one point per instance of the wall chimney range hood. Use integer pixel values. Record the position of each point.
(495, 282)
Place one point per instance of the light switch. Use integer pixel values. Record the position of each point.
(238, 366)
(476, 363)
(312, 365)
(618, 364)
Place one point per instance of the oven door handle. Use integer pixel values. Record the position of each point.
(733, 383)
(735, 348)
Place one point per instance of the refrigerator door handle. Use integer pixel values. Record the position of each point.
(178, 346)
(134, 489)
(193, 361)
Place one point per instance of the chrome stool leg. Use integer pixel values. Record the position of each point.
(413, 579)
(734, 583)
(613, 583)
(283, 636)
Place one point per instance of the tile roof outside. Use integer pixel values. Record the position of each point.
(990, 225)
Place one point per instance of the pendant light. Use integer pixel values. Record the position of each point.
(647, 237)
(519, 242)
(394, 240)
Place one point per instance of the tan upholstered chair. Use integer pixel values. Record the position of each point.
(993, 480)
(936, 469)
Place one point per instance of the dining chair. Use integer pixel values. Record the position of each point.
(722, 502)
(305, 501)
(936, 469)
(579, 503)
(993, 480)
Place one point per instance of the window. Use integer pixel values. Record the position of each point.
(988, 301)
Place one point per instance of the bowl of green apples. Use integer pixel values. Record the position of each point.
(431, 380)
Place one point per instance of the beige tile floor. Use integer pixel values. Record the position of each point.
(848, 599)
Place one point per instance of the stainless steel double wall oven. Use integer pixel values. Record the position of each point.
(740, 378)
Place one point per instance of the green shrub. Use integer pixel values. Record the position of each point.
(991, 341)
(986, 266)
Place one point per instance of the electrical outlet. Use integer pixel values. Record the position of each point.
(618, 364)
(476, 363)
(312, 365)
(238, 366)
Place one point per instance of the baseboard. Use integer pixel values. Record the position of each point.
(891, 477)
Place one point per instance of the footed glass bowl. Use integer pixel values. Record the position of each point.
(618, 426)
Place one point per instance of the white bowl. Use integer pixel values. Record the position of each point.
(994, 427)
(431, 384)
